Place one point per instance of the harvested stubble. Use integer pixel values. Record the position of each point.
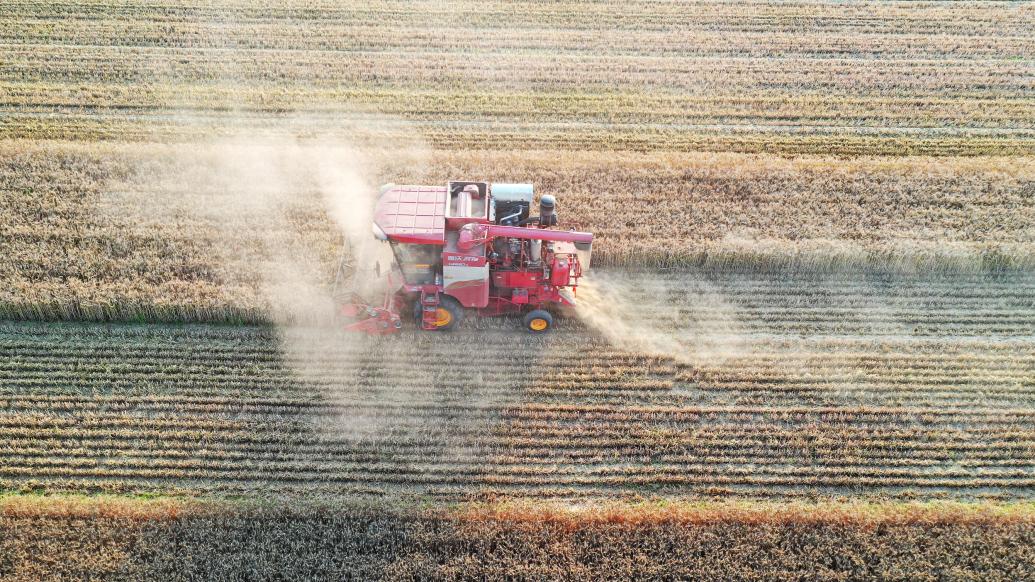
(813, 77)
(904, 387)
(834, 385)
(110, 232)
(120, 539)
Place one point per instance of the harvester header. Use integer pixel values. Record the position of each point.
(472, 248)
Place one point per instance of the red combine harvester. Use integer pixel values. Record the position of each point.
(471, 247)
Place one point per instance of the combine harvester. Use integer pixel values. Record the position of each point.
(470, 247)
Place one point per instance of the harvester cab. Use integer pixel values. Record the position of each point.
(471, 248)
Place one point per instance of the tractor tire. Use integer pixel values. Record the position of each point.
(449, 312)
(538, 321)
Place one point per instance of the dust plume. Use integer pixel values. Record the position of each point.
(685, 317)
(281, 211)
(281, 202)
(269, 216)
(300, 202)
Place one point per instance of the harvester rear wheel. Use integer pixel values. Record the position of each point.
(538, 321)
(448, 314)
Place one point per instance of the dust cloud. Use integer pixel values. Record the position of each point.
(287, 195)
(268, 218)
(286, 210)
(270, 215)
(687, 318)
(301, 202)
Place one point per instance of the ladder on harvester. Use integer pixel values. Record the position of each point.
(429, 302)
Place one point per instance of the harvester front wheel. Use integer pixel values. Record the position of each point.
(448, 314)
(538, 321)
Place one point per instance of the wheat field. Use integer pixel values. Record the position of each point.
(134, 539)
(806, 349)
(766, 398)
(112, 232)
(801, 77)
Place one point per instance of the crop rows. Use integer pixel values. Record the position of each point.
(168, 539)
(929, 400)
(620, 112)
(812, 303)
(129, 74)
(794, 79)
(109, 232)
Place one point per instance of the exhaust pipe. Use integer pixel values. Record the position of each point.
(547, 210)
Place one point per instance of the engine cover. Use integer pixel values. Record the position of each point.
(560, 272)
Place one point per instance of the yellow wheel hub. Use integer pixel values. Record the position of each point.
(538, 324)
(442, 317)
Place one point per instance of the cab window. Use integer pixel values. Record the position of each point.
(417, 262)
